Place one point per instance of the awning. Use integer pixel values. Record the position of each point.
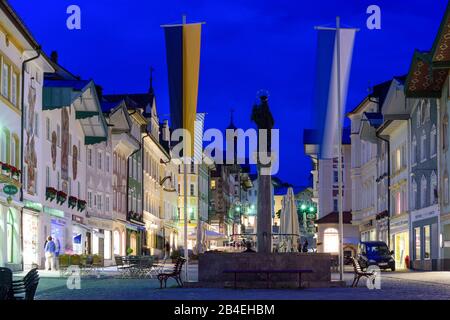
(213, 235)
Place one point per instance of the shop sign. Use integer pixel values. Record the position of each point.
(10, 189)
(36, 206)
(77, 218)
(54, 212)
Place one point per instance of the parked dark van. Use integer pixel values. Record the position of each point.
(375, 253)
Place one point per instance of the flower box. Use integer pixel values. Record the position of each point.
(81, 205)
(6, 169)
(61, 197)
(72, 202)
(50, 193)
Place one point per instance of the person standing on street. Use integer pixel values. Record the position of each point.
(50, 249)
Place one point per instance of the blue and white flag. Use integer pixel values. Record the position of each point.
(326, 86)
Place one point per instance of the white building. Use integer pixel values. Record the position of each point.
(17, 46)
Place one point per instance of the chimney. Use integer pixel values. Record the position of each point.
(54, 56)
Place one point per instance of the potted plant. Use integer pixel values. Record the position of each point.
(61, 197)
(72, 202)
(129, 251)
(50, 193)
(6, 169)
(15, 173)
(81, 205)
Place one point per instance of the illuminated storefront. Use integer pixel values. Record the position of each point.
(400, 240)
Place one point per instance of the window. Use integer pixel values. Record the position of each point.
(70, 144)
(5, 80)
(3, 146)
(335, 205)
(335, 177)
(13, 156)
(427, 242)
(423, 153)
(99, 160)
(89, 157)
(47, 177)
(79, 189)
(414, 151)
(14, 90)
(192, 167)
(89, 199)
(433, 188)
(58, 135)
(418, 116)
(107, 163)
(192, 190)
(331, 240)
(213, 184)
(414, 194)
(398, 202)
(423, 191)
(47, 128)
(417, 244)
(57, 180)
(433, 141)
(179, 189)
(99, 202)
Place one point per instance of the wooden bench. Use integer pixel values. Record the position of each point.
(268, 273)
(359, 273)
(176, 274)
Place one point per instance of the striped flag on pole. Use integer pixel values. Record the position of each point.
(327, 113)
(183, 63)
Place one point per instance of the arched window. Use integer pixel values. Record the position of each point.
(414, 194)
(15, 152)
(414, 150)
(433, 188)
(433, 141)
(423, 191)
(418, 115)
(331, 240)
(423, 139)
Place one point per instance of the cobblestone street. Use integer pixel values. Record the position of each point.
(394, 286)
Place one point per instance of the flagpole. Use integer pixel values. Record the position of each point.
(186, 250)
(340, 198)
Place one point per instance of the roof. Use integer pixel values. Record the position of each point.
(440, 52)
(423, 80)
(136, 100)
(333, 217)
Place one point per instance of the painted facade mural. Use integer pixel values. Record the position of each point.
(30, 151)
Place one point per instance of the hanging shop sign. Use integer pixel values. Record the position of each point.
(77, 219)
(10, 189)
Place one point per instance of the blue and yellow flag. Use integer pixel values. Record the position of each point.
(183, 62)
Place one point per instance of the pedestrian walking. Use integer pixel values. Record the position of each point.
(305, 246)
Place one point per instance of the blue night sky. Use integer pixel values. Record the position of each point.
(247, 45)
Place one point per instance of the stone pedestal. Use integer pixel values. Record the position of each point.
(264, 216)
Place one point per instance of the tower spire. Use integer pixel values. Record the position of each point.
(151, 80)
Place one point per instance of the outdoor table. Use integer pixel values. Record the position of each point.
(268, 272)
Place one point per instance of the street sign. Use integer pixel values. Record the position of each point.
(10, 189)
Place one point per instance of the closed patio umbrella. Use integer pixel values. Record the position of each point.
(289, 221)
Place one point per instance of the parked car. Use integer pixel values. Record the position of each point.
(375, 253)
